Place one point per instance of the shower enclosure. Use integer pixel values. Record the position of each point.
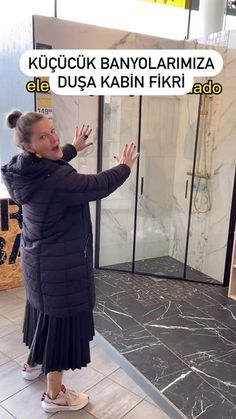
(160, 221)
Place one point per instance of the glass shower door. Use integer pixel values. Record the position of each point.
(120, 126)
(212, 195)
(168, 133)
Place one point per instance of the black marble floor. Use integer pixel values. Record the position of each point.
(180, 335)
(164, 266)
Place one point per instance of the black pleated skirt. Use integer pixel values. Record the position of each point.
(57, 343)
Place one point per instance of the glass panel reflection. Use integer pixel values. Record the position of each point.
(166, 156)
(120, 126)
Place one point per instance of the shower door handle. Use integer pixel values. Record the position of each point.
(142, 179)
(186, 189)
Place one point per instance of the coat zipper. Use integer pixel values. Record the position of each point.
(86, 246)
(86, 263)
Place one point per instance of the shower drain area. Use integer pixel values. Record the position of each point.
(166, 266)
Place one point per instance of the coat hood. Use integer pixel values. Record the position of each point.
(24, 174)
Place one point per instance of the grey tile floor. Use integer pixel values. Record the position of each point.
(113, 395)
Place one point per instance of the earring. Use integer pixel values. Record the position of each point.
(38, 155)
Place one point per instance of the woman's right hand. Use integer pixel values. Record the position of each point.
(129, 155)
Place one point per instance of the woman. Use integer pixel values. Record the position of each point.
(56, 249)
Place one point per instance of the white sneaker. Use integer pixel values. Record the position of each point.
(67, 400)
(31, 373)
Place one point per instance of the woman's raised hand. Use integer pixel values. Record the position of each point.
(81, 136)
(129, 155)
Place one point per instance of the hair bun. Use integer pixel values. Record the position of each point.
(12, 118)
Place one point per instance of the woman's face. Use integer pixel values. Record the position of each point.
(44, 140)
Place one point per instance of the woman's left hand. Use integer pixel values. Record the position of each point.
(81, 136)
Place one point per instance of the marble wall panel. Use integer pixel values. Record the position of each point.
(186, 133)
(217, 150)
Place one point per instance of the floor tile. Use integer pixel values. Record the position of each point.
(155, 361)
(92, 343)
(145, 410)
(123, 340)
(179, 335)
(5, 295)
(4, 414)
(221, 374)
(214, 296)
(233, 329)
(6, 326)
(81, 414)
(170, 380)
(196, 398)
(21, 359)
(194, 339)
(9, 302)
(108, 400)
(165, 266)
(200, 300)
(26, 404)
(101, 362)
(224, 313)
(218, 293)
(82, 380)
(121, 378)
(4, 359)
(11, 380)
(161, 309)
(129, 304)
(181, 309)
(16, 315)
(113, 311)
(149, 400)
(12, 344)
(19, 292)
(105, 286)
(194, 322)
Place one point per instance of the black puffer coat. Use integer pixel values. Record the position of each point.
(56, 243)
